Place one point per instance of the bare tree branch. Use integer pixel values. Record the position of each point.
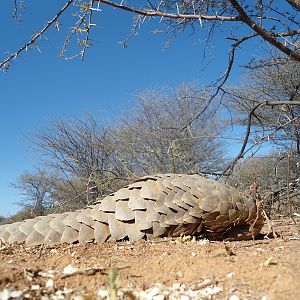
(4, 64)
(214, 12)
(294, 3)
(157, 13)
(249, 124)
(263, 33)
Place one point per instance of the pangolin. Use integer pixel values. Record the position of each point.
(152, 206)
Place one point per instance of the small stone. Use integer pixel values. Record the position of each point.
(260, 249)
(211, 291)
(203, 242)
(102, 293)
(179, 274)
(176, 286)
(154, 291)
(49, 284)
(142, 295)
(6, 294)
(230, 275)
(69, 269)
(16, 294)
(35, 287)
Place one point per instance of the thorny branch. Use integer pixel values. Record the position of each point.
(5, 64)
(258, 142)
(288, 182)
(82, 26)
(223, 80)
(185, 14)
(158, 13)
(294, 3)
(249, 124)
(263, 33)
(18, 5)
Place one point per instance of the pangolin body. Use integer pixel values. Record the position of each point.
(152, 206)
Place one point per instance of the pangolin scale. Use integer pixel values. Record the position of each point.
(152, 206)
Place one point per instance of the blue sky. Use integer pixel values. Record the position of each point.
(39, 87)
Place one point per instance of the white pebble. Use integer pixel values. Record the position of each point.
(35, 287)
(102, 293)
(49, 284)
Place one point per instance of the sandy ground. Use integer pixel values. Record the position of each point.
(181, 268)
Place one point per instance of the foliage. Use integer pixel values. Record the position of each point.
(160, 135)
(21, 215)
(272, 173)
(2, 220)
(273, 80)
(84, 159)
(79, 153)
(36, 190)
(180, 131)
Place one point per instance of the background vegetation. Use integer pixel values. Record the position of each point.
(184, 130)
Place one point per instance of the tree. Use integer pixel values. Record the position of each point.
(36, 189)
(2, 220)
(81, 155)
(267, 104)
(153, 137)
(84, 160)
(277, 24)
(21, 215)
(272, 174)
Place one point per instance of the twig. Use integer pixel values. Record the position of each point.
(249, 124)
(223, 80)
(263, 33)
(87, 272)
(271, 228)
(258, 201)
(5, 63)
(91, 271)
(294, 3)
(80, 27)
(158, 13)
(42, 247)
(288, 181)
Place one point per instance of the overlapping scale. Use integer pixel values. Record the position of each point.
(152, 206)
(123, 211)
(101, 232)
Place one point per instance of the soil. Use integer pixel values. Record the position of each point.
(268, 268)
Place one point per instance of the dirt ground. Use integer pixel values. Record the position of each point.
(181, 268)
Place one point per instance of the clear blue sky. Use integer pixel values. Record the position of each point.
(39, 87)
